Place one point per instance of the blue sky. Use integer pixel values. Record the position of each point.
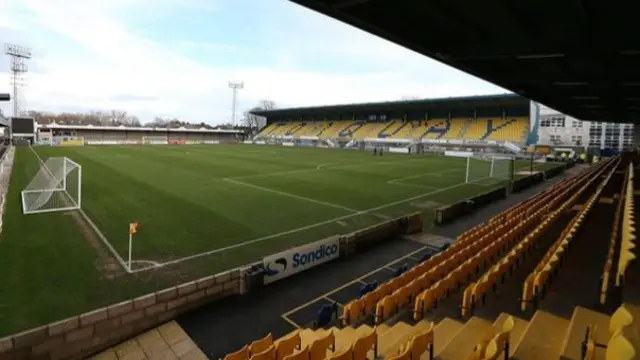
(174, 58)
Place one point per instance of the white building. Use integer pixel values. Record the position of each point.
(557, 129)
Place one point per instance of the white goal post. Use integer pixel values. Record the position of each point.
(56, 187)
(489, 166)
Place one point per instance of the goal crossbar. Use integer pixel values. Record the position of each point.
(486, 166)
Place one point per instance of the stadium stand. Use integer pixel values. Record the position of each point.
(513, 130)
(503, 288)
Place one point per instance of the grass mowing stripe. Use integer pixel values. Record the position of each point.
(249, 242)
(262, 188)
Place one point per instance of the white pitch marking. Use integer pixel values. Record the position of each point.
(325, 167)
(303, 228)
(423, 175)
(89, 221)
(294, 196)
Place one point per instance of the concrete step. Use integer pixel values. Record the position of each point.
(580, 320)
(542, 338)
(463, 342)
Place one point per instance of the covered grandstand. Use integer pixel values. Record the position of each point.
(65, 134)
(497, 120)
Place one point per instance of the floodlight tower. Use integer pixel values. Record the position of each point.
(235, 86)
(19, 56)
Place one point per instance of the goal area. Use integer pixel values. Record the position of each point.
(56, 187)
(489, 167)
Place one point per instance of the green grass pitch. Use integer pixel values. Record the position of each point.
(202, 209)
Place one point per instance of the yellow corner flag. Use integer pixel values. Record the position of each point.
(133, 228)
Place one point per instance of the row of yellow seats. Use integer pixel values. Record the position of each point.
(470, 260)
(358, 349)
(549, 193)
(366, 305)
(287, 348)
(495, 342)
(400, 291)
(538, 280)
(418, 345)
(627, 243)
(478, 290)
(608, 265)
(623, 333)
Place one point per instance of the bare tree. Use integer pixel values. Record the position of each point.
(158, 122)
(257, 122)
(409, 98)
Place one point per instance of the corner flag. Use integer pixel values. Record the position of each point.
(133, 228)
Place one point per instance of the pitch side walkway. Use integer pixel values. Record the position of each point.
(227, 325)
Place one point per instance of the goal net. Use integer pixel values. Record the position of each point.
(492, 168)
(56, 187)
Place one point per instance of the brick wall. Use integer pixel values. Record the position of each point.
(80, 336)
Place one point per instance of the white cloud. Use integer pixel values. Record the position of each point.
(90, 54)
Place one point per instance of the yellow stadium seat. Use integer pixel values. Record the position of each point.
(352, 311)
(319, 347)
(344, 354)
(421, 343)
(364, 343)
(385, 308)
(267, 354)
(619, 348)
(302, 354)
(261, 345)
(404, 355)
(620, 319)
(242, 354)
(287, 345)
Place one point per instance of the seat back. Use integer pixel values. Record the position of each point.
(287, 345)
(261, 345)
(403, 355)
(344, 354)
(301, 354)
(620, 348)
(242, 354)
(365, 343)
(268, 354)
(319, 347)
(421, 342)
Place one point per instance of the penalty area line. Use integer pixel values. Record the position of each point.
(303, 228)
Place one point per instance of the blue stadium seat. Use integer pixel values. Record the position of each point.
(325, 315)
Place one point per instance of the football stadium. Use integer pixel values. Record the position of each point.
(439, 228)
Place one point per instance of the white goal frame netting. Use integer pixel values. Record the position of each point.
(56, 187)
(489, 166)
